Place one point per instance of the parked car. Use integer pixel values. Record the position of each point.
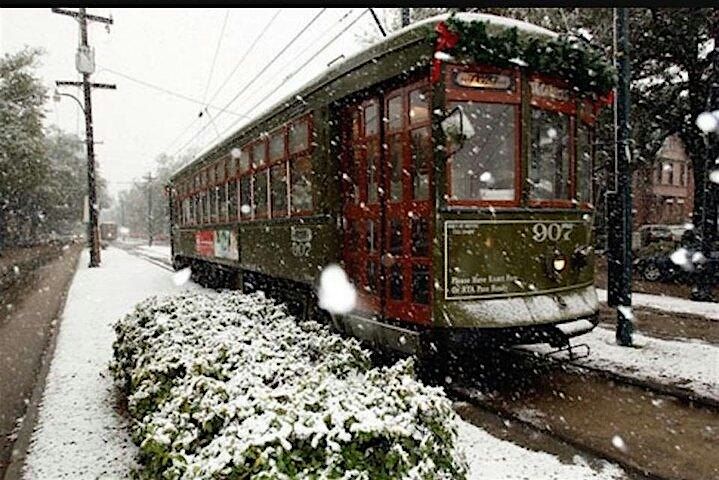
(659, 233)
(660, 267)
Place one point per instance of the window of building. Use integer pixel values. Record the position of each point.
(549, 155)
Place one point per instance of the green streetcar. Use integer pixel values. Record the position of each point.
(447, 169)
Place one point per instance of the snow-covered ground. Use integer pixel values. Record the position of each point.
(690, 364)
(79, 433)
(670, 304)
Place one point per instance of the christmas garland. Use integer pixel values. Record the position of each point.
(566, 56)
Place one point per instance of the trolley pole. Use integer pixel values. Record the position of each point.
(619, 251)
(150, 219)
(85, 63)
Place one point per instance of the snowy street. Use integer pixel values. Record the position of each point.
(82, 431)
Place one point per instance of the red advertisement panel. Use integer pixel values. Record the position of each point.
(205, 243)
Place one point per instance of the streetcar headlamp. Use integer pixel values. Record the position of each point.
(559, 263)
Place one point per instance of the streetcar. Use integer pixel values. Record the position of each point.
(447, 169)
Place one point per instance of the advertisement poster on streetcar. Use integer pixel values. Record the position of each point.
(226, 244)
(205, 243)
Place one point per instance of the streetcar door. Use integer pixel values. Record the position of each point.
(362, 212)
(386, 190)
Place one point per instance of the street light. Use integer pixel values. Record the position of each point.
(56, 98)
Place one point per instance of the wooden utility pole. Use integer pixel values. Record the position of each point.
(85, 64)
(150, 219)
(619, 251)
(405, 16)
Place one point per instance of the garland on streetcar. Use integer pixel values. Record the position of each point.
(448, 169)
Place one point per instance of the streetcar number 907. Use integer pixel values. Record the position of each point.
(551, 231)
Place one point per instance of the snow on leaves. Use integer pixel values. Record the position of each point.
(227, 385)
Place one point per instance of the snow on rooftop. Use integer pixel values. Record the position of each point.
(493, 20)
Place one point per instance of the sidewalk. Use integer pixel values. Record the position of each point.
(79, 433)
(670, 304)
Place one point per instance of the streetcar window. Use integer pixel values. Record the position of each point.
(258, 153)
(220, 171)
(584, 163)
(232, 200)
(301, 184)
(246, 197)
(352, 235)
(372, 164)
(394, 114)
(418, 108)
(231, 166)
(207, 207)
(278, 187)
(244, 160)
(371, 236)
(420, 284)
(420, 237)
(277, 145)
(371, 119)
(371, 276)
(222, 190)
(396, 285)
(395, 160)
(484, 167)
(395, 236)
(549, 155)
(421, 147)
(259, 191)
(298, 136)
(216, 204)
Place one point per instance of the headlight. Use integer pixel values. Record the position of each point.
(559, 264)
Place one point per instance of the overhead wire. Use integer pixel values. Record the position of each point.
(258, 75)
(247, 52)
(314, 56)
(169, 92)
(217, 50)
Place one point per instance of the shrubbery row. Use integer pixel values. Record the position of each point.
(228, 385)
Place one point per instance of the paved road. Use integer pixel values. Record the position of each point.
(24, 336)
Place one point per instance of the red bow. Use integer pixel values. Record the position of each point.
(446, 40)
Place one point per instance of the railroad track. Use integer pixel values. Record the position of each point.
(647, 414)
(152, 259)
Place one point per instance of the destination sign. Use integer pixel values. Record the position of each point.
(546, 90)
(490, 81)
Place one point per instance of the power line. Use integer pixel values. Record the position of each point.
(314, 56)
(217, 50)
(247, 52)
(237, 65)
(169, 92)
(264, 69)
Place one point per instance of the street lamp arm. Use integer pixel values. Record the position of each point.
(57, 95)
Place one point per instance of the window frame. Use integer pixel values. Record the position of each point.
(569, 108)
(291, 157)
(513, 97)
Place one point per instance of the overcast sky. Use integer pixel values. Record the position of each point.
(173, 48)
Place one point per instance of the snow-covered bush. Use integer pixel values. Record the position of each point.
(227, 385)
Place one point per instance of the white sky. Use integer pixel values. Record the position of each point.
(173, 48)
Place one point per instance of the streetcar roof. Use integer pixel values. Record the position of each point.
(413, 33)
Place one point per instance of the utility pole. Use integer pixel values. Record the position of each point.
(150, 219)
(708, 221)
(85, 64)
(405, 16)
(619, 251)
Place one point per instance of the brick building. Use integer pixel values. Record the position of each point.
(664, 192)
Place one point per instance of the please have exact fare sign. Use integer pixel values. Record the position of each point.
(494, 258)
